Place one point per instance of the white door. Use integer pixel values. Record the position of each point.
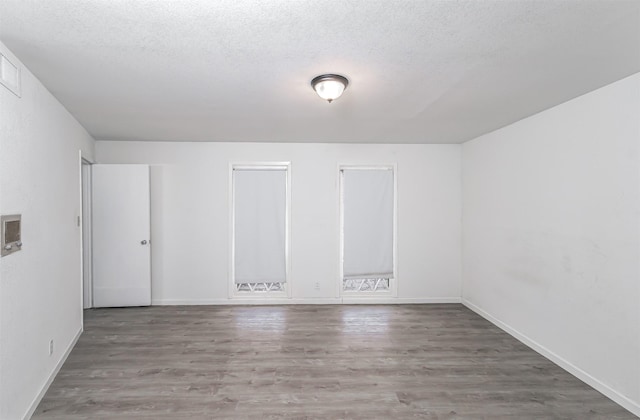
(121, 235)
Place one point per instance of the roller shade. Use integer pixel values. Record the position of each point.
(368, 223)
(260, 225)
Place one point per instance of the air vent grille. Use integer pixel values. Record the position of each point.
(9, 75)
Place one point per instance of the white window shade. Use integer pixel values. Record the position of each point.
(368, 223)
(260, 197)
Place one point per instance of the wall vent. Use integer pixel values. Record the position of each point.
(9, 75)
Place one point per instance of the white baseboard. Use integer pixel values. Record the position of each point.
(397, 301)
(47, 384)
(306, 301)
(247, 301)
(611, 393)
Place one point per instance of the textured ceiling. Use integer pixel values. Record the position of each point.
(239, 70)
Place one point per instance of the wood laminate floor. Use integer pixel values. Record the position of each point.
(310, 362)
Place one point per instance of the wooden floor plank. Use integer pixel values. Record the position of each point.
(310, 362)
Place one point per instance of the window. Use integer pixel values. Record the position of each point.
(367, 210)
(260, 209)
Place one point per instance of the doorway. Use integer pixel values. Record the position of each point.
(86, 227)
(115, 232)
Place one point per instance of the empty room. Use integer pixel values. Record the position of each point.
(368, 209)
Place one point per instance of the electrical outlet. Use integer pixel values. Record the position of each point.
(50, 347)
(317, 285)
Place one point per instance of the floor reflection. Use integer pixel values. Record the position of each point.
(269, 320)
(369, 320)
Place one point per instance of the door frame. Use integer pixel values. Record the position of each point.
(85, 225)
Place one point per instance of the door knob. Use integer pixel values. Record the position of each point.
(143, 242)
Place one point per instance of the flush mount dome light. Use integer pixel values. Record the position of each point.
(329, 86)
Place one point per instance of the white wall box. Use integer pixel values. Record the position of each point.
(11, 233)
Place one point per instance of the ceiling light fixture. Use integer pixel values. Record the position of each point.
(329, 86)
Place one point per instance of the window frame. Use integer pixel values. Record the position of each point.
(393, 282)
(233, 292)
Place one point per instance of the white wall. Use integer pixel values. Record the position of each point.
(190, 215)
(551, 234)
(40, 286)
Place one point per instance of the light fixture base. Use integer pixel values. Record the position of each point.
(329, 86)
